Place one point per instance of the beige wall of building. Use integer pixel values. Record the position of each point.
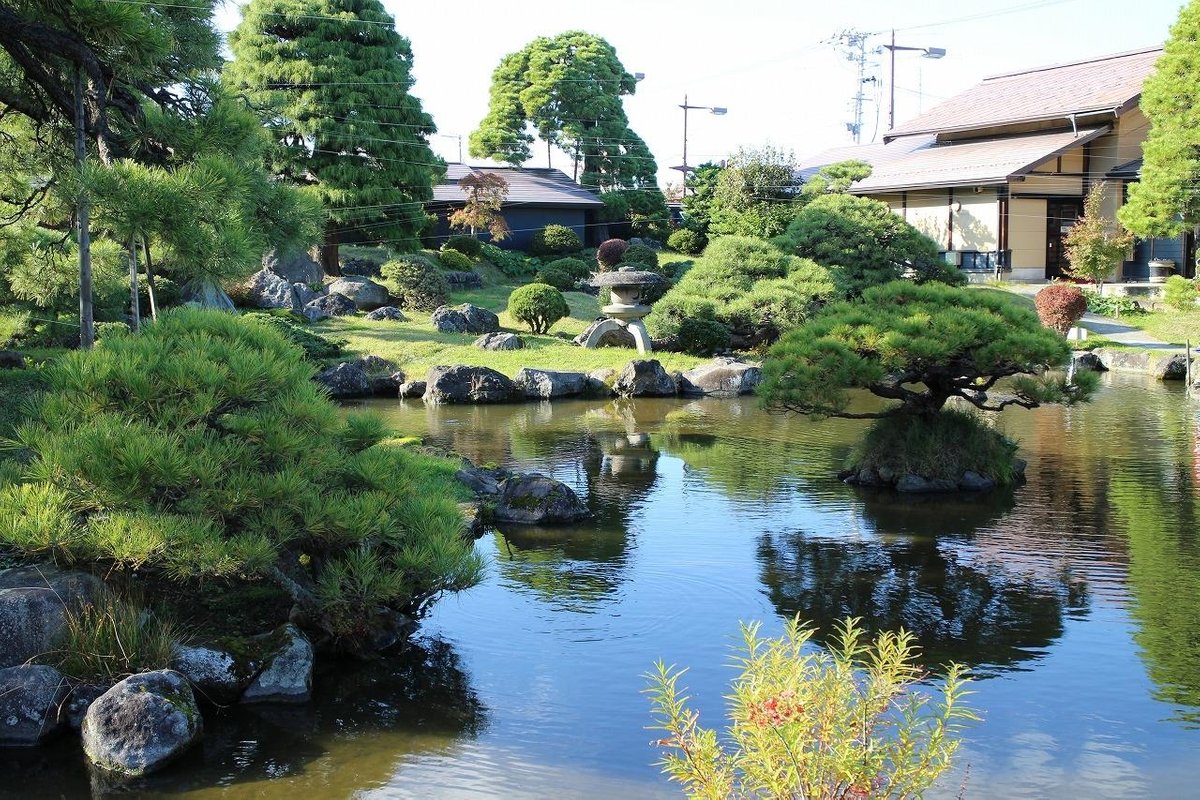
(1027, 237)
(977, 222)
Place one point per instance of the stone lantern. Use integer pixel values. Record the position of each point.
(626, 309)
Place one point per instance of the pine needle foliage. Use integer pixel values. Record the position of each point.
(919, 345)
(201, 450)
(847, 723)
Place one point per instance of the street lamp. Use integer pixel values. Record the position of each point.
(716, 110)
(926, 52)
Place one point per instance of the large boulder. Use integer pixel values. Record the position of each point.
(411, 389)
(618, 337)
(462, 280)
(286, 676)
(723, 377)
(305, 295)
(644, 377)
(547, 384)
(141, 724)
(463, 384)
(389, 313)
(499, 341)
(329, 305)
(382, 375)
(11, 359)
(533, 499)
(216, 672)
(466, 318)
(33, 605)
(361, 266)
(366, 293)
(345, 380)
(31, 699)
(268, 290)
(294, 267)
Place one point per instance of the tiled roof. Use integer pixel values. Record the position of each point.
(1129, 171)
(977, 162)
(1104, 84)
(876, 154)
(526, 186)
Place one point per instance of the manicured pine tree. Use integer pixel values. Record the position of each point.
(335, 77)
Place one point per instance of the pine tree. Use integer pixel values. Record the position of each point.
(334, 76)
(1165, 201)
(569, 89)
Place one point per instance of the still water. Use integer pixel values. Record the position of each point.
(1074, 599)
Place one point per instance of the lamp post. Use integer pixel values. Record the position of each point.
(715, 110)
(926, 52)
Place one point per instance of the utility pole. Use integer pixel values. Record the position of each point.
(853, 45)
(87, 331)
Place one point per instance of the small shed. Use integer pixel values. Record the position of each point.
(537, 197)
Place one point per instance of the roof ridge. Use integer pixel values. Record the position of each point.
(1063, 65)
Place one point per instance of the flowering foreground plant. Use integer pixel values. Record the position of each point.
(840, 723)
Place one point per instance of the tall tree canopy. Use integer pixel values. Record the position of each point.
(1165, 202)
(567, 88)
(755, 194)
(334, 77)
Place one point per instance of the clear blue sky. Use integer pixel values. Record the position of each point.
(763, 59)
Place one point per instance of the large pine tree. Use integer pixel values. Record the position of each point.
(568, 88)
(334, 77)
(1165, 201)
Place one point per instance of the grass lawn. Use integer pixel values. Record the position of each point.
(415, 345)
(1169, 325)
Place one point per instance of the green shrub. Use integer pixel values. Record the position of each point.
(511, 262)
(1180, 293)
(576, 268)
(555, 240)
(641, 256)
(108, 330)
(1108, 305)
(415, 283)
(315, 346)
(454, 260)
(752, 288)
(166, 293)
(610, 252)
(702, 337)
(686, 240)
(201, 450)
(1059, 306)
(554, 277)
(469, 246)
(850, 720)
(944, 446)
(864, 244)
(538, 305)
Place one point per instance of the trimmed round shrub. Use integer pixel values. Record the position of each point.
(610, 252)
(538, 305)
(1180, 293)
(1059, 306)
(702, 337)
(575, 267)
(511, 262)
(415, 283)
(640, 255)
(688, 241)
(556, 278)
(108, 330)
(452, 259)
(555, 240)
(469, 246)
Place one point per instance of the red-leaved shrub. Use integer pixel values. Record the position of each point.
(610, 252)
(1059, 306)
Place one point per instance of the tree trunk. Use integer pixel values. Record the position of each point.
(135, 312)
(150, 289)
(87, 330)
(329, 253)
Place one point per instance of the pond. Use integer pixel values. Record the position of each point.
(1074, 599)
